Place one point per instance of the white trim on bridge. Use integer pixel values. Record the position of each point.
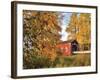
(75, 52)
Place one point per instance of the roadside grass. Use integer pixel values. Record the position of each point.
(74, 60)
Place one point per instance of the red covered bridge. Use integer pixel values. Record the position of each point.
(67, 47)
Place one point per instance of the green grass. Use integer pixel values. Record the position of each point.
(74, 60)
(60, 61)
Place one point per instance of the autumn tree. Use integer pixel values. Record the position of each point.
(40, 33)
(72, 26)
(84, 32)
(80, 28)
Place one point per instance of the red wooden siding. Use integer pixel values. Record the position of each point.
(65, 49)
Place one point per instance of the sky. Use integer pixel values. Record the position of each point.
(65, 22)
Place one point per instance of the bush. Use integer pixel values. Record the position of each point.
(33, 62)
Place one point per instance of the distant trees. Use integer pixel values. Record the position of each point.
(40, 33)
(80, 29)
